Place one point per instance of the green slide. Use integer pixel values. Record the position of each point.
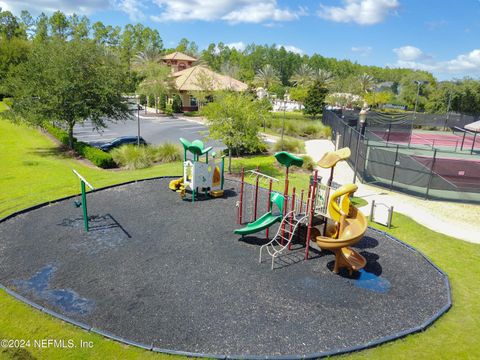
(266, 220)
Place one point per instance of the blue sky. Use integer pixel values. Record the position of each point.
(438, 36)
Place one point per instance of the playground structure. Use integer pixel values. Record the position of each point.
(198, 176)
(83, 202)
(343, 225)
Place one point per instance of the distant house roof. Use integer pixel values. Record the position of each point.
(194, 78)
(178, 56)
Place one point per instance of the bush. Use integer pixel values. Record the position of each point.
(168, 110)
(143, 99)
(96, 156)
(290, 145)
(308, 163)
(177, 104)
(168, 152)
(8, 101)
(162, 101)
(134, 157)
(60, 134)
(191, 113)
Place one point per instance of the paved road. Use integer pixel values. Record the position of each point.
(155, 130)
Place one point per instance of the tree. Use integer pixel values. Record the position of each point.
(324, 77)
(315, 100)
(299, 94)
(69, 82)
(376, 99)
(41, 28)
(366, 82)
(59, 26)
(303, 76)
(80, 27)
(9, 26)
(234, 118)
(267, 76)
(206, 86)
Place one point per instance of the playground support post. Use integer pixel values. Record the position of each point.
(291, 217)
(269, 208)
(84, 182)
(301, 201)
(255, 205)
(285, 201)
(84, 205)
(222, 179)
(311, 207)
(240, 203)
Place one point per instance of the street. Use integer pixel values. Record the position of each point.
(155, 130)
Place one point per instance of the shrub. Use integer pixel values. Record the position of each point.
(60, 134)
(168, 152)
(134, 157)
(177, 104)
(96, 156)
(290, 145)
(168, 110)
(191, 113)
(308, 163)
(8, 101)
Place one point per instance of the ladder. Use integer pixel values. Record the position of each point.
(284, 235)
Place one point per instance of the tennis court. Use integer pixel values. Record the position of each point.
(434, 139)
(459, 172)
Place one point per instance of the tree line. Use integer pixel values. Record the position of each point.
(270, 66)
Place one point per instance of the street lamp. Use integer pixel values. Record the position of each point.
(418, 82)
(138, 120)
(362, 117)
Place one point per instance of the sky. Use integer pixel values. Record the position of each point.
(439, 36)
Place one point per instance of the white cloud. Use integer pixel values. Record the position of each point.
(233, 11)
(134, 8)
(50, 6)
(292, 48)
(363, 12)
(408, 53)
(463, 64)
(362, 50)
(240, 45)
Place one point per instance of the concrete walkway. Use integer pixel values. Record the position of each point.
(454, 219)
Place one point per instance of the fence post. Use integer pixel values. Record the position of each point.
(367, 152)
(463, 140)
(389, 132)
(394, 168)
(473, 143)
(431, 174)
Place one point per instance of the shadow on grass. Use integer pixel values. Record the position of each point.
(60, 152)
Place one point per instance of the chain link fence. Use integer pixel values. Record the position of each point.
(422, 171)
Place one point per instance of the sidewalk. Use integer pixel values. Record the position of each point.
(454, 219)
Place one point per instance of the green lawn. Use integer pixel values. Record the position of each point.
(3, 106)
(34, 171)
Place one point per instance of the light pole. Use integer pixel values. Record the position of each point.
(448, 110)
(418, 82)
(362, 117)
(138, 120)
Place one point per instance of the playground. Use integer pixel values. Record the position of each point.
(161, 271)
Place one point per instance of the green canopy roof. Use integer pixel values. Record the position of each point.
(287, 159)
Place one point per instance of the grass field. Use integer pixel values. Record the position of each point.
(3, 106)
(34, 171)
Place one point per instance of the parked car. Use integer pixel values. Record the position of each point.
(122, 140)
